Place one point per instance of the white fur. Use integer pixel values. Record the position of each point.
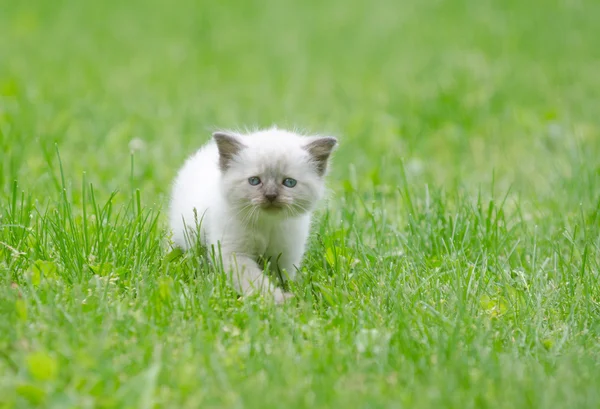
(230, 211)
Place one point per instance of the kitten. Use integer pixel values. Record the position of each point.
(252, 196)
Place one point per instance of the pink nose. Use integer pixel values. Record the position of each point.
(271, 197)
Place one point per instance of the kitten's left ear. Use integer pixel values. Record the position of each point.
(320, 149)
(229, 145)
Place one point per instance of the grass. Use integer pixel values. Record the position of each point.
(456, 263)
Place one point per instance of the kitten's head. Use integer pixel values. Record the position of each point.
(275, 172)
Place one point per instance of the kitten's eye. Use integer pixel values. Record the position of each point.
(254, 180)
(289, 182)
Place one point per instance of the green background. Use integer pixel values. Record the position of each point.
(455, 264)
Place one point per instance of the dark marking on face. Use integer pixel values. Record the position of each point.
(271, 192)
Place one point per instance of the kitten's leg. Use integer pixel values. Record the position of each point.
(289, 260)
(284, 267)
(287, 248)
(249, 278)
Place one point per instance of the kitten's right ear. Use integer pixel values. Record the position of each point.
(229, 145)
(320, 149)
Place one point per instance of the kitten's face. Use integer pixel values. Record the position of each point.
(273, 172)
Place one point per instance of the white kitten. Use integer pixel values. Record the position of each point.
(252, 196)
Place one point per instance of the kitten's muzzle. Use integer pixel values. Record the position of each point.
(271, 197)
(271, 205)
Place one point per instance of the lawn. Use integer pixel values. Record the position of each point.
(455, 264)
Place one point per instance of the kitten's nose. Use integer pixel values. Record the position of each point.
(271, 197)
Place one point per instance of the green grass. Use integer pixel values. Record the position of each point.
(456, 263)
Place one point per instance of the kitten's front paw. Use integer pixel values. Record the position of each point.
(281, 296)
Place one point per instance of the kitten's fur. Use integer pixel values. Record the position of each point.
(212, 190)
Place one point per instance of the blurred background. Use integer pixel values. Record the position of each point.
(416, 289)
(465, 92)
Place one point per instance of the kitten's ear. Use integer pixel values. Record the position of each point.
(320, 149)
(229, 145)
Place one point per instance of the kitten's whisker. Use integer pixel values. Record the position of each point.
(247, 217)
(242, 209)
(251, 217)
(296, 209)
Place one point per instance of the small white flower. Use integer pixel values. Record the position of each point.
(555, 131)
(371, 340)
(415, 166)
(137, 144)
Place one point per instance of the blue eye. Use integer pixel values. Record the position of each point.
(289, 182)
(254, 180)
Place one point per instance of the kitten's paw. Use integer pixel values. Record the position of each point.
(281, 296)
